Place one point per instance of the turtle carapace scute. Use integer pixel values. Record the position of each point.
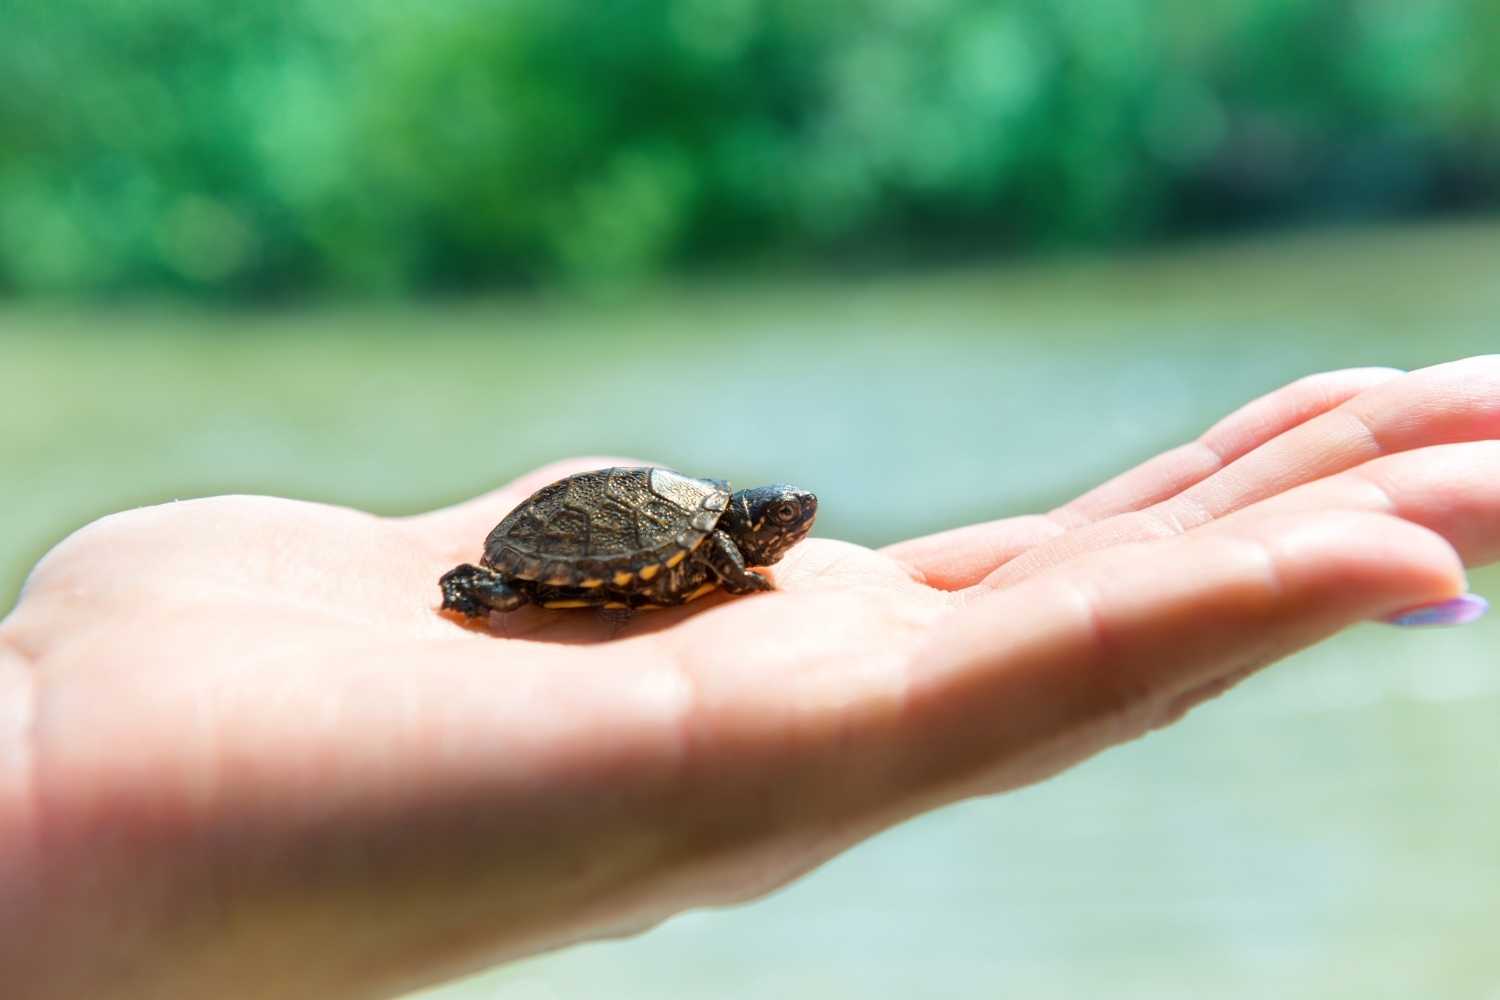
(630, 538)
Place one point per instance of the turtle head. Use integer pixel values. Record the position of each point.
(768, 520)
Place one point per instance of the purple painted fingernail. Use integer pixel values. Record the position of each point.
(1454, 611)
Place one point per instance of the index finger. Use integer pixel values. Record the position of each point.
(1031, 679)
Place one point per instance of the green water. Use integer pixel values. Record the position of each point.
(1328, 831)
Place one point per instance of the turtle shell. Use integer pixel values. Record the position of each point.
(610, 526)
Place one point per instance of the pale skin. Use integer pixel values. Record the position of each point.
(242, 755)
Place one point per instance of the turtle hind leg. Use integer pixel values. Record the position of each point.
(475, 592)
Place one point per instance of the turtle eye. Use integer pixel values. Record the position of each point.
(785, 512)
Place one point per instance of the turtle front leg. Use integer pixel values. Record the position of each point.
(724, 558)
(475, 592)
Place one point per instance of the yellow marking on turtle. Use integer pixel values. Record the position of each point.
(706, 588)
(622, 578)
(558, 581)
(616, 605)
(557, 605)
(675, 560)
(650, 607)
(647, 572)
(590, 584)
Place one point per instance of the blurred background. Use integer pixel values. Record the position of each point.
(937, 259)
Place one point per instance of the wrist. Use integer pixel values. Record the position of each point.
(17, 711)
(21, 891)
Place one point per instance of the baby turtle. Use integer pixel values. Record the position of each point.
(630, 538)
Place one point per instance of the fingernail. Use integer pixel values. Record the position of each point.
(1454, 611)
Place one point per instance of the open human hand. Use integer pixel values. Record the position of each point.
(243, 755)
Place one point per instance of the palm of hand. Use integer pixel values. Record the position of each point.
(290, 668)
(258, 699)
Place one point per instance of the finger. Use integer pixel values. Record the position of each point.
(463, 526)
(959, 558)
(1032, 679)
(1453, 490)
(1238, 434)
(1445, 404)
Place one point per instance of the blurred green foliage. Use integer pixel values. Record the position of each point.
(270, 146)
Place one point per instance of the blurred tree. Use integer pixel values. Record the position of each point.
(282, 145)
